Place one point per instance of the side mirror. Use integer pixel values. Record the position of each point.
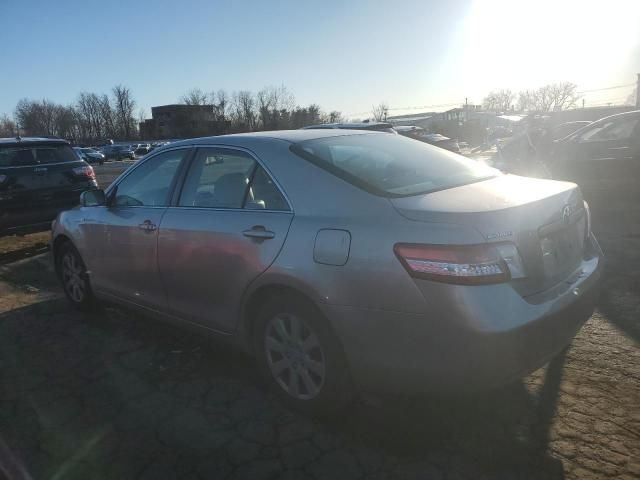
(93, 198)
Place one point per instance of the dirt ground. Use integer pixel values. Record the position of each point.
(116, 395)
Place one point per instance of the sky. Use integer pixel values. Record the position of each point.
(414, 55)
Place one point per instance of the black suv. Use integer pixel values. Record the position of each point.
(39, 177)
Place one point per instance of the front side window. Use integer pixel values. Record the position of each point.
(392, 165)
(150, 183)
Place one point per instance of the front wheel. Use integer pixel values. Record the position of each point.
(74, 278)
(301, 357)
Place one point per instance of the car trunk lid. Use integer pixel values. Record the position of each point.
(546, 220)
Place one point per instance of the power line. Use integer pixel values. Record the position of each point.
(608, 88)
(442, 105)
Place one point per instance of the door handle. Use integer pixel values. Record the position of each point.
(147, 226)
(258, 231)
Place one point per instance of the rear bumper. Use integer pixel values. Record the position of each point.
(464, 348)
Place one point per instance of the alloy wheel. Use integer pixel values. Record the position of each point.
(73, 277)
(294, 356)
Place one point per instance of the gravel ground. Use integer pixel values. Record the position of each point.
(117, 395)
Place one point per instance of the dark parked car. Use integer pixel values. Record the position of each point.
(118, 152)
(39, 178)
(602, 155)
(143, 149)
(371, 126)
(418, 133)
(89, 155)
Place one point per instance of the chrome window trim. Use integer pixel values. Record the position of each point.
(222, 209)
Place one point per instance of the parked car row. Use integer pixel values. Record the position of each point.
(417, 133)
(115, 151)
(603, 155)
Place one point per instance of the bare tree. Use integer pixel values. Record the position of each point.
(548, 98)
(124, 105)
(380, 112)
(220, 101)
(244, 114)
(333, 117)
(499, 100)
(195, 96)
(7, 127)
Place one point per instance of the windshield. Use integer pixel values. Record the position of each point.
(19, 156)
(392, 165)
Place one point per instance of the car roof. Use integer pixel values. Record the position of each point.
(290, 136)
(351, 126)
(18, 141)
(579, 131)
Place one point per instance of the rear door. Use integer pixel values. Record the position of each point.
(227, 226)
(38, 181)
(123, 237)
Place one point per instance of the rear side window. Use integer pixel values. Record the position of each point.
(226, 178)
(19, 156)
(218, 178)
(392, 165)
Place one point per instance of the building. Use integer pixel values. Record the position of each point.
(182, 121)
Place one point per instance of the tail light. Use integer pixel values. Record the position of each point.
(84, 171)
(461, 264)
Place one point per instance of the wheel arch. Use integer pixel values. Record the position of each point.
(57, 243)
(257, 296)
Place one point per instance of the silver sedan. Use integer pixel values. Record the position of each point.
(341, 260)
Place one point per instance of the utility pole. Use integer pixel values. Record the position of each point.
(583, 103)
(638, 92)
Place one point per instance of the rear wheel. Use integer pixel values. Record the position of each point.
(74, 278)
(301, 357)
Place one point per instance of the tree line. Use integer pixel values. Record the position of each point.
(548, 98)
(271, 108)
(93, 117)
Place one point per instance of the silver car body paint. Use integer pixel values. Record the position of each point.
(336, 247)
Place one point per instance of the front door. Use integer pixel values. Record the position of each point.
(124, 235)
(229, 225)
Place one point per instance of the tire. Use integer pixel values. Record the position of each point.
(74, 279)
(300, 356)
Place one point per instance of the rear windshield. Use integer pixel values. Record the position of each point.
(19, 156)
(392, 165)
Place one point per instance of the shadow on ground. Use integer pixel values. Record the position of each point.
(118, 396)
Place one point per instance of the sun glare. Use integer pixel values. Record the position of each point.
(530, 43)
